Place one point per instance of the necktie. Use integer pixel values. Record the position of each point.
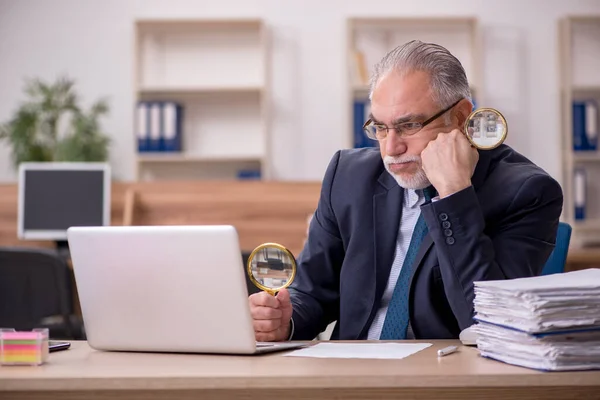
(396, 318)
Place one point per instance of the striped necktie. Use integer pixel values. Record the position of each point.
(396, 318)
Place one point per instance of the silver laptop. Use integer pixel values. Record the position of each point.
(164, 289)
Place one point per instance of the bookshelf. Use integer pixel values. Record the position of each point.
(579, 63)
(217, 71)
(369, 39)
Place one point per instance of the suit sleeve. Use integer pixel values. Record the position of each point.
(515, 244)
(315, 290)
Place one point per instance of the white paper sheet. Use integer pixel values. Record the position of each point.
(541, 303)
(578, 280)
(360, 350)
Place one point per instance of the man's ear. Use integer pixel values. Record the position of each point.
(462, 111)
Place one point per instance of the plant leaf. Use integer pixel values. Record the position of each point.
(33, 131)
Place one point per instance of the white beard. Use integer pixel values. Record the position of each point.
(418, 180)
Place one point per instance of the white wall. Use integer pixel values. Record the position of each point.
(92, 41)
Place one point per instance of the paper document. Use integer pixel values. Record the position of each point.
(360, 350)
(549, 322)
(541, 304)
(561, 283)
(552, 352)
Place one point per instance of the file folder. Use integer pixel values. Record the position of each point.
(142, 127)
(249, 174)
(156, 126)
(585, 125)
(361, 110)
(172, 126)
(580, 186)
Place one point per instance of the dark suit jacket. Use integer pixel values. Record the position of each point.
(502, 227)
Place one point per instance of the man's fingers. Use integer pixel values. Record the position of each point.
(260, 312)
(283, 297)
(266, 325)
(264, 299)
(266, 337)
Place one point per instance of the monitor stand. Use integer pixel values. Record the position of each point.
(62, 248)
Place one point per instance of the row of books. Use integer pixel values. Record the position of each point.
(159, 126)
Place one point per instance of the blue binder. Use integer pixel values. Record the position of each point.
(156, 126)
(249, 174)
(172, 116)
(580, 195)
(143, 127)
(585, 125)
(360, 115)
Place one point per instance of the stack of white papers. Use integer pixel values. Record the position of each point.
(360, 350)
(549, 322)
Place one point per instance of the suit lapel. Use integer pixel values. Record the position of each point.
(425, 246)
(387, 209)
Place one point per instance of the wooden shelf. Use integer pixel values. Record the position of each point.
(198, 90)
(590, 156)
(412, 23)
(361, 90)
(591, 225)
(185, 24)
(224, 109)
(370, 38)
(586, 89)
(578, 66)
(584, 256)
(190, 158)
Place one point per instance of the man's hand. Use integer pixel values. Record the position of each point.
(449, 162)
(271, 316)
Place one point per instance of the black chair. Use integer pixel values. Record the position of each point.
(36, 292)
(251, 288)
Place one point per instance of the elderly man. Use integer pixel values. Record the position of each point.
(402, 232)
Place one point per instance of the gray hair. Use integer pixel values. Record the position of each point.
(447, 76)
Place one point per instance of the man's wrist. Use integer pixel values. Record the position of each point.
(448, 191)
(291, 329)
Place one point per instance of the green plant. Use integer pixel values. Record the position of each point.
(51, 126)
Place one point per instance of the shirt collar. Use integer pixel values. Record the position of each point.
(412, 197)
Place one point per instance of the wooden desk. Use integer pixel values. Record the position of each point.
(84, 373)
(582, 258)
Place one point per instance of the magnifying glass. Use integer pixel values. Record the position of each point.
(486, 128)
(271, 267)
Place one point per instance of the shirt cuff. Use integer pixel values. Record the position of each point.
(437, 198)
(291, 329)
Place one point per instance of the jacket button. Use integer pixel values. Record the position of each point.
(448, 232)
(450, 240)
(444, 216)
(446, 224)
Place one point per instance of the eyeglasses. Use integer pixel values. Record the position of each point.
(377, 131)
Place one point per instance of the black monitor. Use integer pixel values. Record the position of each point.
(56, 196)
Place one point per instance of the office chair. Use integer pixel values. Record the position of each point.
(249, 285)
(36, 292)
(558, 258)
